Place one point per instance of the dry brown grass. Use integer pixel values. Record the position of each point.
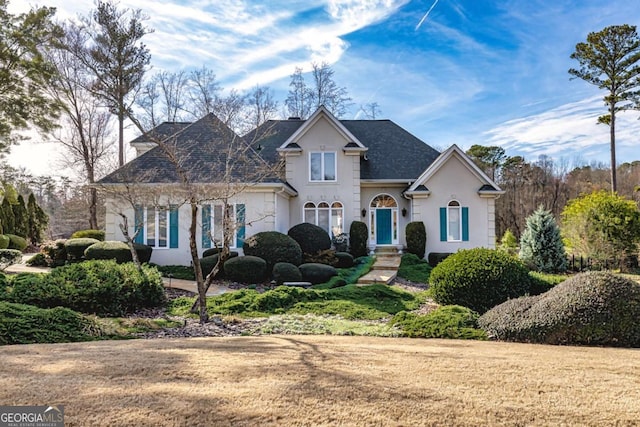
(321, 380)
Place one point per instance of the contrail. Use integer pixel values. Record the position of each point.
(426, 15)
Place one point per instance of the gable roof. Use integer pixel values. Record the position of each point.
(199, 151)
(488, 187)
(161, 132)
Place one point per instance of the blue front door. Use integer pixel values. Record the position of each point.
(383, 226)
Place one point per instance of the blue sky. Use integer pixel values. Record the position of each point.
(490, 72)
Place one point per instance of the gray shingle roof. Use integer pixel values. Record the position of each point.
(393, 153)
(162, 131)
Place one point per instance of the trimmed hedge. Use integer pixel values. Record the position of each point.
(416, 235)
(207, 263)
(75, 247)
(449, 321)
(26, 324)
(97, 287)
(118, 251)
(414, 269)
(210, 251)
(246, 269)
(358, 236)
(345, 260)
(273, 247)
(92, 234)
(593, 308)
(17, 242)
(478, 279)
(286, 272)
(54, 252)
(317, 273)
(9, 257)
(311, 238)
(4, 241)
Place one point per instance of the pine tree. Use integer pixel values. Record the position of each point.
(20, 219)
(541, 245)
(37, 220)
(509, 243)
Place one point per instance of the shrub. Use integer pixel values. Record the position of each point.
(327, 257)
(94, 287)
(416, 236)
(593, 308)
(246, 269)
(9, 257)
(509, 243)
(17, 242)
(273, 247)
(436, 258)
(542, 282)
(311, 238)
(286, 272)
(478, 279)
(207, 263)
(341, 242)
(26, 324)
(75, 247)
(358, 236)
(449, 321)
(38, 260)
(182, 272)
(345, 260)
(92, 234)
(55, 252)
(210, 251)
(414, 269)
(118, 251)
(317, 273)
(541, 246)
(4, 241)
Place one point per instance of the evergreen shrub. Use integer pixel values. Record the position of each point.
(93, 234)
(541, 246)
(17, 242)
(311, 238)
(207, 263)
(4, 241)
(246, 269)
(317, 273)
(273, 247)
(416, 235)
(75, 247)
(478, 279)
(286, 272)
(358, 237)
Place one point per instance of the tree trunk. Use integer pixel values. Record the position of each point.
(124, 228)
(197, 268)
(120, 139)
(612, 130)
(93, 208)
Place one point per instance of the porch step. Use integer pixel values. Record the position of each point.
(378, 277)
(387, 262)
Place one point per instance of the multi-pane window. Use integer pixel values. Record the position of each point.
(330, 217)
(322, 166)
(213, 226)
(156, 226)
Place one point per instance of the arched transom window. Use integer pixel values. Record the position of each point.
(384, 201)
(328, 216)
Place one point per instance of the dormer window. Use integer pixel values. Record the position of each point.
(322, 166)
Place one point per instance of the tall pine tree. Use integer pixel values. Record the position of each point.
(20, 219)
(37, 220)
(541, 245)
(7, 216)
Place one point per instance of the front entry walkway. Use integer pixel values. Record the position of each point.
(384, 269)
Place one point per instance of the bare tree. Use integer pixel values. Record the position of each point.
(204, 92)
(298, 100)
(163, 98)
(86, 130)
(370, 110)
(262, 106)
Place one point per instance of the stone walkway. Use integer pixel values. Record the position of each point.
(384, 269)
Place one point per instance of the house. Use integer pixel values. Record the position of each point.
(325, 171)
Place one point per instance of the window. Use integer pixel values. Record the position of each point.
(213, 227)
(328, 216)
(454, 222)
(157, 226)
(322, 166)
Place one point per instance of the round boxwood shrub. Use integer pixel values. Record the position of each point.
(144, 252)
(345, 260)
(358, 234)
(273, 247)
(593, 308)
(311, 238)
(317, 273)
(75, 248)
(210, 251)
(416, 238)
(246, 269)
(286, 272)
(93, 234)
(16, 242)
(436, 258)
(97, 287)
(4, 241)
(478, 279)
(208, 262)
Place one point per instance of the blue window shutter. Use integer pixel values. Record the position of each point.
(443, 224)
(240, 219)
(173, 227)
(206, 226)
(138, 223)
(465, 224)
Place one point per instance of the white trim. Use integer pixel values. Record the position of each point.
(372, 219)
(156, 227)
(459, 209)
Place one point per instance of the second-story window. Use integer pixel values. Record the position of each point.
(322, 166)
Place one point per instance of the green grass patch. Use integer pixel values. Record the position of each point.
(450, 321)
(181, 272)
(414, 269)
(311, 324)
(125, 327)
(542, 282)
(350, 302)
(349, 275)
